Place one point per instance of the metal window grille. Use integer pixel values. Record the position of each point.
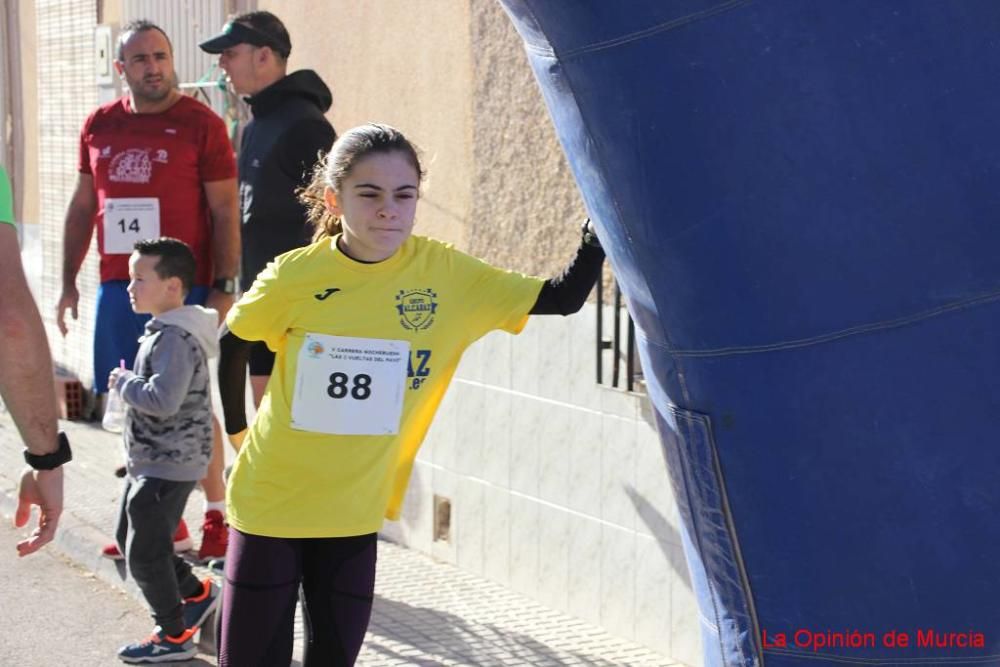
(625, 369)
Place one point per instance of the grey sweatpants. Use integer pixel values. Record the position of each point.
(147, 519)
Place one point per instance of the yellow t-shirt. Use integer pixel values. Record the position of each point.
(291, 482)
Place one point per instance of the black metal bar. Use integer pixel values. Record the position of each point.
(630, 355)
(600, 328)
(616, 346)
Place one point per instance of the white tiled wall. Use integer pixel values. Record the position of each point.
(558, 487)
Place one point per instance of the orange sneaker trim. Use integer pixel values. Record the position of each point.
(206, 588)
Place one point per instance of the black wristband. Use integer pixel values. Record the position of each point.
(225, 285)
(53, 460)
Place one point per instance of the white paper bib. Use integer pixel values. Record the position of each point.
(349, 386)
(127, 220)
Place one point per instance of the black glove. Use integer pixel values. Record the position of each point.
(590, 234)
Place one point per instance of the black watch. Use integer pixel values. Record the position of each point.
(225, 285)
(50, 461)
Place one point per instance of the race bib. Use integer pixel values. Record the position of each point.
(127, 220)
(349, 386)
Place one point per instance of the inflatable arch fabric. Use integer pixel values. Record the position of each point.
(801, 201)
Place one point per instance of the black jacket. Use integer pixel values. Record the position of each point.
(279, 148)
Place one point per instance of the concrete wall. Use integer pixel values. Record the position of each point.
(527, 210)
(405, 64)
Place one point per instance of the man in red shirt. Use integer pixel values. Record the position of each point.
(153, 163)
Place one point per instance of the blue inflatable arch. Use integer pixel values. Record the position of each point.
(801, 201)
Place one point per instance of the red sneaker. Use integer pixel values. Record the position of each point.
(182, 542)
(214, 536)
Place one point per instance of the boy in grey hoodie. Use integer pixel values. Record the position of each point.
(168, 444)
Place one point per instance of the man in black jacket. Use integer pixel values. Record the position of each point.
(279, 148)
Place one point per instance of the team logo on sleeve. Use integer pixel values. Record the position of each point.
(416, 308)
(131, 166)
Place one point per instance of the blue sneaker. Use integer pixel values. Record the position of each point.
(198, 608)
(160, 648)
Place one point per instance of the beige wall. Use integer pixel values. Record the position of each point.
(454, 77)
(109, 11)
(527, 208)
(404, 64)
(26, 114)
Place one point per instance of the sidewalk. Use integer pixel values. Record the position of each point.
(425, 613)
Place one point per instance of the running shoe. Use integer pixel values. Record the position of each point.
(158, 647)
(199, 607)
(214, 536)
(182, 543)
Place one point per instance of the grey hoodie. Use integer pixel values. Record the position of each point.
(168, 421)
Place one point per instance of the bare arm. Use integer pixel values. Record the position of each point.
(78, 231)
(25, 362)
(28, 391)
(223, 203)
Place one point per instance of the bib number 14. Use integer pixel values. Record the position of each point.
(133, 226)
(127, 220)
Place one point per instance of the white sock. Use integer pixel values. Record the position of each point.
(219, 506)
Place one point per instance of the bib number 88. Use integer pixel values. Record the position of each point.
(360, 390)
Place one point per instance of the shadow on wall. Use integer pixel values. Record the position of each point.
(447, 637)
(666, 535)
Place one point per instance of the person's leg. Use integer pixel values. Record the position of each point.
(121, 529)
(188, 585)
(154, 507)
(214, 536)
(214, 533)
(338, 584)
(213, 485)
(258, 607)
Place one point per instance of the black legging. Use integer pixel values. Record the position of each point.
(263, 575)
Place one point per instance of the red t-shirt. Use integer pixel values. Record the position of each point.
(148, 172)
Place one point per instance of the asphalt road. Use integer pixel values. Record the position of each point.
(53, 613)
